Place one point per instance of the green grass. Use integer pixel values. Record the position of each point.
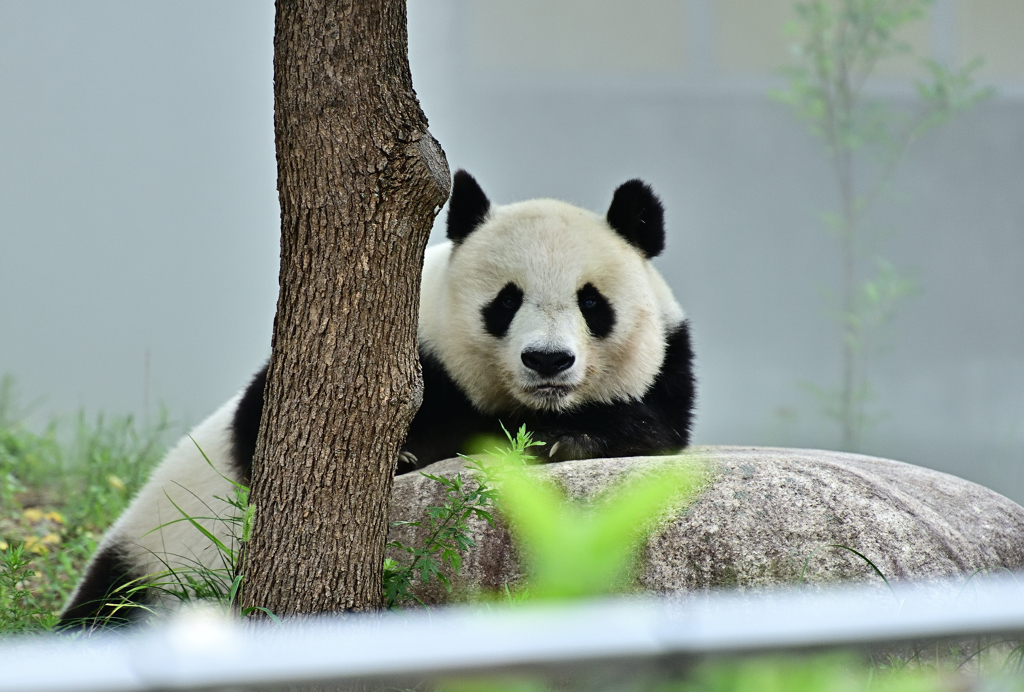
(59, 490)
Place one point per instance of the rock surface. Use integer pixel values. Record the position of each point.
(763, 515)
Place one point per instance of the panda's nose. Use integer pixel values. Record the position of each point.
(548, 363)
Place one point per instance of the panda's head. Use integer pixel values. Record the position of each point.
(544, 305)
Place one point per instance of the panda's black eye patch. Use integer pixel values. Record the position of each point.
(498, 314)
(597, 311)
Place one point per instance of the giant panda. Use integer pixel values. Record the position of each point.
(537, 313)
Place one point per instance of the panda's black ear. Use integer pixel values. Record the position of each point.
(467, 207)
(637, 215)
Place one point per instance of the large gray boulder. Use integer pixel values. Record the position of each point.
(763, 515)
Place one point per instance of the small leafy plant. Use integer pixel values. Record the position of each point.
(840, 45)
(20, 610)
(447, 535)
(447, 525)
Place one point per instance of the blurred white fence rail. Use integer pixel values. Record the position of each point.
(204, 651)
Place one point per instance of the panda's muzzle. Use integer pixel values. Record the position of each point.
(548, 363)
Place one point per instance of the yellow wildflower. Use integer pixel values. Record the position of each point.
(41, 546)
(3, 545)
(33, 515)
(34, 545)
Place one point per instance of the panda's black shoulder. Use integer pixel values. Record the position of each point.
(674, 393)
(446, 419)
(245, 425)
(676, 377)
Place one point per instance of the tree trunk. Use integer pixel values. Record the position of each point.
(360, 181)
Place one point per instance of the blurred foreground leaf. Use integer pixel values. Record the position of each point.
(574, 549)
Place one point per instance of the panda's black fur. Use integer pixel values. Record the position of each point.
(658, 422)
(653, 420)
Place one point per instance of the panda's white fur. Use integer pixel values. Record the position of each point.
(153, 538)
(626, 386)
(549, 249)
(152, 532)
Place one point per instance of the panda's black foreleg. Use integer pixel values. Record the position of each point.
(445, 421)
(657, 423)
(614, 430)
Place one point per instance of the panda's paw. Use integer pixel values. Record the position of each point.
(569, 447)
(407, 463)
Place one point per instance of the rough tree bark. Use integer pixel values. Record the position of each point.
(360, 181)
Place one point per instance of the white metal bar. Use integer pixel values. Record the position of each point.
(202, 651)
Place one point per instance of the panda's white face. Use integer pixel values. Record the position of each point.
(544, 306)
